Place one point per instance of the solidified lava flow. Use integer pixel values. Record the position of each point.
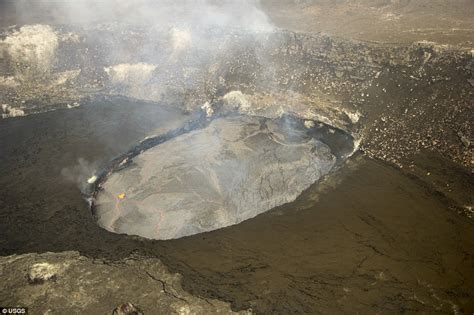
(215, 176)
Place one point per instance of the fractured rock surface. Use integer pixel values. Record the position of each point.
(230, 171)
(83, 285)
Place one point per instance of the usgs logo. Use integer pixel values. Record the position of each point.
(13, 310)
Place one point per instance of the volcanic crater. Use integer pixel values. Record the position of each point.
(270, 168)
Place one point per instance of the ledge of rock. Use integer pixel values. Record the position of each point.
(68, 283)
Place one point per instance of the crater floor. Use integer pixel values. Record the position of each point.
(230, 171)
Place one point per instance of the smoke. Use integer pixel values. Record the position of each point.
(156, 50)
(236, 100)
(137, 27)
(31, 48)
(243, 14)
(81, 173)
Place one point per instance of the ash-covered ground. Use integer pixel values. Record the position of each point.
(390, 231)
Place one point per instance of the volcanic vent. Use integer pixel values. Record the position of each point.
(232, 169)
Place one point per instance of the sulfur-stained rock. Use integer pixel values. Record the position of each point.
(41, 272)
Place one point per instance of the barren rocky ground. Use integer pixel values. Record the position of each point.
(384, 21)
(391, 231)
(75, 284)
